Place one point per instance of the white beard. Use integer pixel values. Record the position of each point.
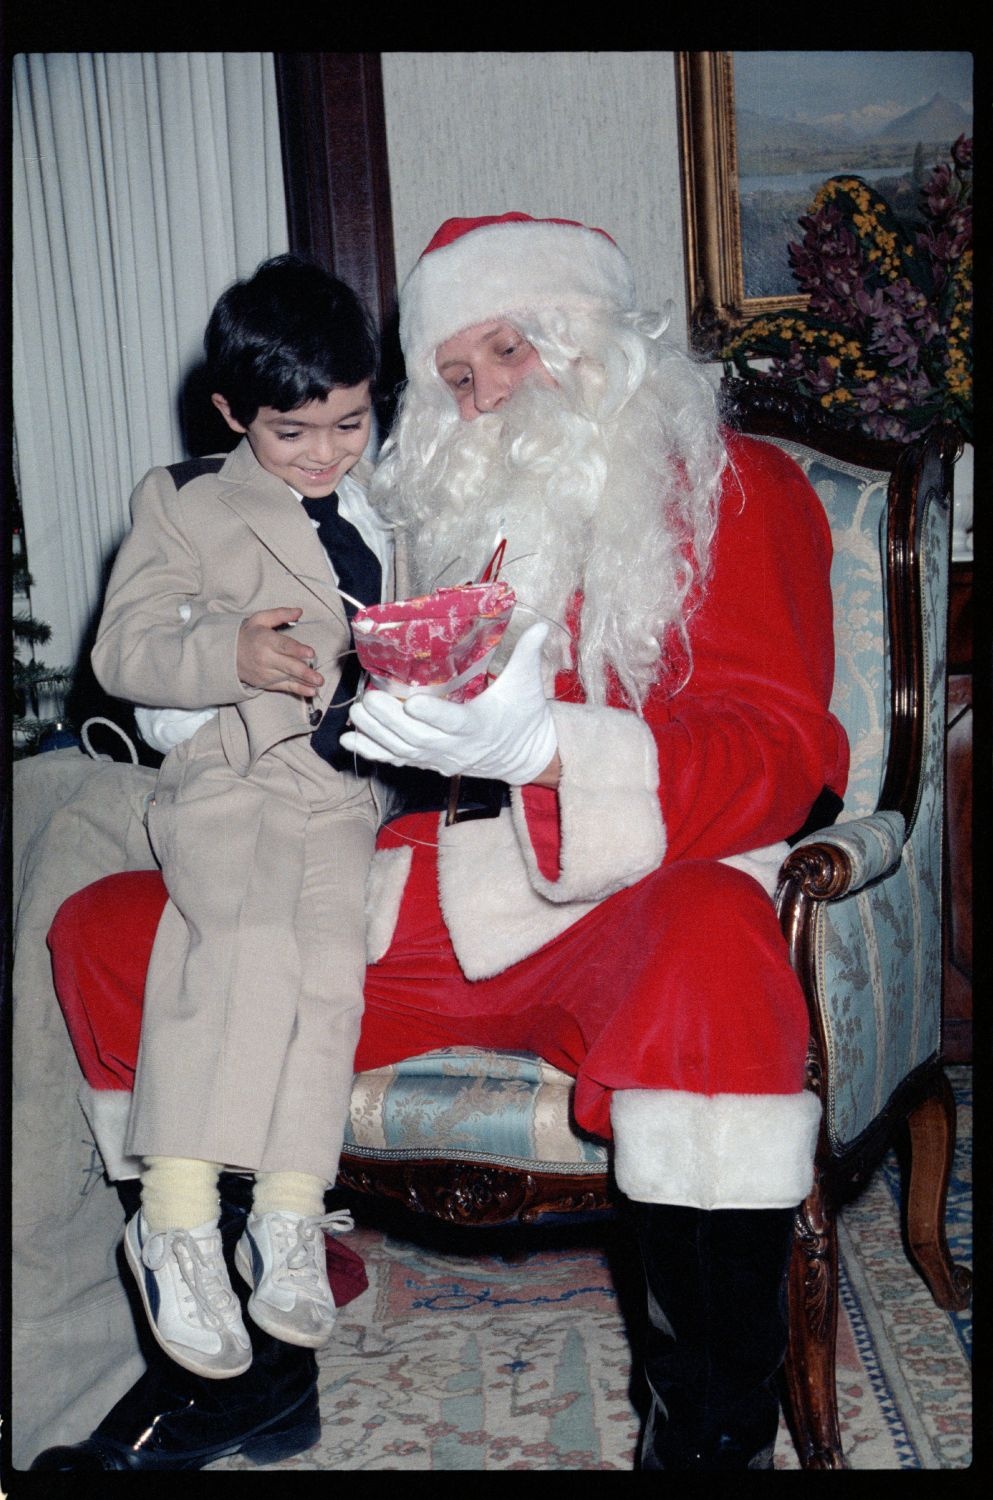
(493, 490)
(582, 508)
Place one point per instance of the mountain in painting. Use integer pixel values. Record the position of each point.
(774, 146)
(940, 119)
(760, 134)
(768, 137)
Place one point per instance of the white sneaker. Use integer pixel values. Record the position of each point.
(191, 1308)
(283, 1258)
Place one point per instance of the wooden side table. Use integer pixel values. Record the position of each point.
(957, 1004)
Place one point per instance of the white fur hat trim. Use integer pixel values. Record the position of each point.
(504, 269)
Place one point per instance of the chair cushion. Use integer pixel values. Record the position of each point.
(464, 1104)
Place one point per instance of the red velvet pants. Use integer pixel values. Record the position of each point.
(682, 981)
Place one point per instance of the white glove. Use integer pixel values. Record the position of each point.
(506, 732)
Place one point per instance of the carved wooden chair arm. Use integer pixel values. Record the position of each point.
(843, 859)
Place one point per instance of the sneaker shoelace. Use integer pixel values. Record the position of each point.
(214, 1300)
(300, 1242)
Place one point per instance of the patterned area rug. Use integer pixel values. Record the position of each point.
(463, 1359)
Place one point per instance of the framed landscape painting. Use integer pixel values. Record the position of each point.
(760, 132)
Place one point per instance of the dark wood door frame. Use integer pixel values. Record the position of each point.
(337, 181)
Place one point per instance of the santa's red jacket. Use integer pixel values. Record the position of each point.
(729, 765)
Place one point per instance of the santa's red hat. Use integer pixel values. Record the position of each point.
(506, 266)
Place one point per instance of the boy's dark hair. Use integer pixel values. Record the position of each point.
(285, 336)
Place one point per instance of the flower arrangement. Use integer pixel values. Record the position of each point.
(885, 340)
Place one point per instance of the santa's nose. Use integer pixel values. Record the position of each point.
(488, 393)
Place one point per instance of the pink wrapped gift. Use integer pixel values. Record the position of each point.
(440, 643)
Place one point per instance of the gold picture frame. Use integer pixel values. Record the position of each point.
(716, 299)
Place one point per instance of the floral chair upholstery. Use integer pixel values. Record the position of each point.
(486, 1138)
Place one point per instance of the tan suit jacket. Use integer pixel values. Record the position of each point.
(195, 563)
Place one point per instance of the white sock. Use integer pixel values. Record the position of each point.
(296, 1192)
(179, 1192)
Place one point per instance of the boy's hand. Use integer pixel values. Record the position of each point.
(270, 657)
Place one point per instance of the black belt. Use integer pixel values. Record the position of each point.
(408, 790)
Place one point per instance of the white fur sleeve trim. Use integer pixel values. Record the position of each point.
(715, 1151)
(384, 892)
(611, 827)
(106, 1112)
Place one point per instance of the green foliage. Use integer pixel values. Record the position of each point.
(33, 683)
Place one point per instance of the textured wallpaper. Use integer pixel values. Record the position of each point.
(581, 135)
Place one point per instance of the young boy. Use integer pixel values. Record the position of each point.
(226, 601)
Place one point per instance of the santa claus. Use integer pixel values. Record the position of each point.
(662, 730)
(658, 728)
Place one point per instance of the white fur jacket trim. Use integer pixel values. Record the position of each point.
(384, 890)
(715, 1151)
(497, 905)
(611, 827)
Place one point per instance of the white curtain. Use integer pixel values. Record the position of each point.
(143, 185)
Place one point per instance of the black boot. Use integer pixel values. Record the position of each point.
(717, 1313)
(171, 1419)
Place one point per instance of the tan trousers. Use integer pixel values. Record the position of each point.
(254, 992)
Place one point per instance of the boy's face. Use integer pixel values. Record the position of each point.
(312, 448)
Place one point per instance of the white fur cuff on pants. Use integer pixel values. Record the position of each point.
(715, 1151)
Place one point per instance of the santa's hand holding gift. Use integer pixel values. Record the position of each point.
(506, 732)
(650, 752)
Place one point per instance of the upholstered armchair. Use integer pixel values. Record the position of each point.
(486, 1138)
